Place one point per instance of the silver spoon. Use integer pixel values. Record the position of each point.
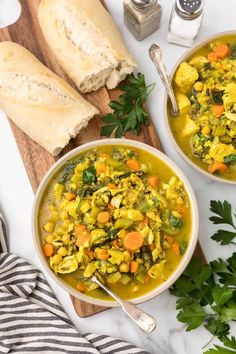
(156, 56)
(142, 319)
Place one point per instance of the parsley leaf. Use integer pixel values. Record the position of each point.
(219, 350)
(231, 158)
(223, 215)
(89, 175)
(175, 222)
(223, 210)
(217, 96)
(224, 237)
(207, 296)
(193, 315)
(226, 271)
(128, 113)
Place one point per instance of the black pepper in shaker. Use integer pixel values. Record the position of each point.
(142, 17)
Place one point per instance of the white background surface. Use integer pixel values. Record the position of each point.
(16, 196)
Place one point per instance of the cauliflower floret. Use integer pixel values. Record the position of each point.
(183, 102)
(229, 97)
(198, 61)
(189, 127)
(185, 76)
(116, 257)
(219, 150)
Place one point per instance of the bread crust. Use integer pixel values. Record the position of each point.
(86, 42)
(38, 101)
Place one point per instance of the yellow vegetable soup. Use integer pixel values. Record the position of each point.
(205, 88)
(118, 213)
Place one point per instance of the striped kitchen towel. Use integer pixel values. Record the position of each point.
(33, 321)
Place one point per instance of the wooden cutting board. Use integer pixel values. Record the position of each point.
(26, 31)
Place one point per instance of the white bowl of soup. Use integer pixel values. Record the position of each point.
(204, 133)
(121, 210)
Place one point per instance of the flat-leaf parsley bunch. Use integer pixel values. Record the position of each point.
(128, 112)
(207, 292)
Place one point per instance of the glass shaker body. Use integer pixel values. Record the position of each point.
(183, 31)
(142, 21)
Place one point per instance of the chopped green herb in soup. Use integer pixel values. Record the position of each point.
(118, 213)
(205, 88)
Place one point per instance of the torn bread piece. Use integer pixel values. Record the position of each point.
(38, 101)
(86, 42)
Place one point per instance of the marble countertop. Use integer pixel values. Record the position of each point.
(16, 196)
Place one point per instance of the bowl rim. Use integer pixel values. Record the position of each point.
(194, 219)
(183, 57)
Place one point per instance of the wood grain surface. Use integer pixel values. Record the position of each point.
(27, 32)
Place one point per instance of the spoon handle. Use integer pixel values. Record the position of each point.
(156, 56)
(142, 319)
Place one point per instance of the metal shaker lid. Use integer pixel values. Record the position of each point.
(143, 4)
(189, 9)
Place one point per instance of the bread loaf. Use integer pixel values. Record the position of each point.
(86, 42)
(42, 104)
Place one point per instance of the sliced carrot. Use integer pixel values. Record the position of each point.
(218, 110)
(90, 253)
(212, 57)
(82, 238)
(81, 287)
(79, 229)
(110, 206)
(48, 249)
(115, 243)
(82, 234)
(222, 51)
(169, 239)
(105, 155)
(101, 254)
(182, 210)
(176, 249)
(103, 217)
(217, 167)
(111, 186)
(133, 240)
(70, 196)
(133, 266)
(133, 165)
(153, 181)
(152, 246)
(101, 168)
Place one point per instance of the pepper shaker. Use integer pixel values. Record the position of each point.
(185, 22)
(142, 17)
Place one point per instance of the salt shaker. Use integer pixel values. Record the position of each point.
(142, 17)
(185, 22)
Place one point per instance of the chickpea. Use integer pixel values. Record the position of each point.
(124, 267)
(64, 214)
(57, 259)
(127, 256)
(49, 226)
(206, 130)
(198, 86)
(62, 251)
(50, 238)
(66, 239)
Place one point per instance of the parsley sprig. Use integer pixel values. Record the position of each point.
(223, 215)
(207, 292)
(207, 296)
(128, 113)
